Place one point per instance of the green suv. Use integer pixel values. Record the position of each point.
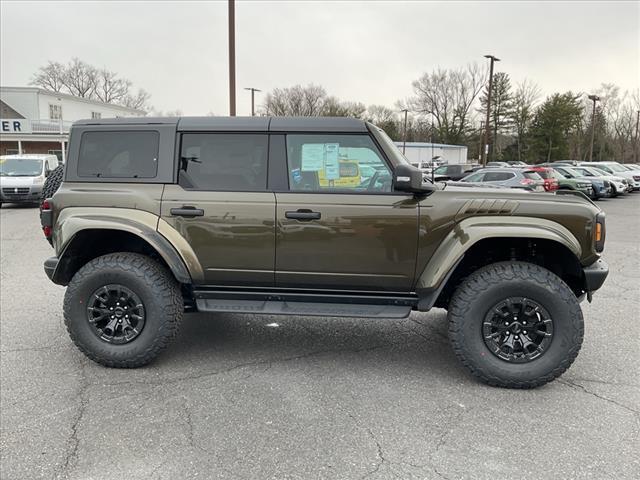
(153, 217)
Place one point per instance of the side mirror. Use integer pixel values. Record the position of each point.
(407, 178)
(47, 172)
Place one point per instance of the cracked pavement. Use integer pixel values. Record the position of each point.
(237, 397)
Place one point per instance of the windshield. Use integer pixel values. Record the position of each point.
(557, 175)
(20, 167)
(616, 168)
(575, 172)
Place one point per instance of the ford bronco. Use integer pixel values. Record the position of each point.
(152, 217)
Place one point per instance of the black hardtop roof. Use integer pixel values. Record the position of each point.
(244, 124)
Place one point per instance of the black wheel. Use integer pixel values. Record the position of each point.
(53, 182)
(122, 309)
(515, 325)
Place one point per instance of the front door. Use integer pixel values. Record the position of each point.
(340, 226)
(222, 208)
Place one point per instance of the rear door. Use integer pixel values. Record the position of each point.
(222, 208)
(337, 231)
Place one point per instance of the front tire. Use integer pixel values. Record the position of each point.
(122, 309)
(515, 325)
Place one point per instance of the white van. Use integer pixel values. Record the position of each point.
(22, 177)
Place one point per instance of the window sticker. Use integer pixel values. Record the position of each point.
(331, 165)
(296, 175)
(312, 157)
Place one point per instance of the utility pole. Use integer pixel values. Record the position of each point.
(637, 138)
(253, 105)
(594, 99)
(232, 58)
(404, 131)
(485, 154)
(480, 140)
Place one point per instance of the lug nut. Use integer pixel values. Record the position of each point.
(113, 316)
(110, 308)
(524, 331)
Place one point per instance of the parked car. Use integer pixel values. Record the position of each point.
(598, 187)
(564, 183)
(614, 168)
(517, 163)
(617, 185)
(507, 177)
(631, 166)
(22, 177)
(498, 164)
(453, 172)
(550, 180)
(232, 214)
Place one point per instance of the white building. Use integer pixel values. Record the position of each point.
(419, 152)
(33, 120)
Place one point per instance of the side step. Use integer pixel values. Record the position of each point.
(279, 307)
(305, 303)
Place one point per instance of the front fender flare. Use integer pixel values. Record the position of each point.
(471, 230)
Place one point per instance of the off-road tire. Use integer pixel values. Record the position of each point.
(53, 182)
(158, 291)
(484, 288)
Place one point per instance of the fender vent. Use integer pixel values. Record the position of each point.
(488, 207)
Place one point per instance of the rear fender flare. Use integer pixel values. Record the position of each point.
(182, 260)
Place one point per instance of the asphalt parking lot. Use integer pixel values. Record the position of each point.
(266, 397)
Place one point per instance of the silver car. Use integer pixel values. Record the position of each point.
(508, 178)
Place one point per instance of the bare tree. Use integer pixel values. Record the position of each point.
(50, 77)
(139, 101)
(80, 79)
(448, 95)
(109, 88)
(525, 98)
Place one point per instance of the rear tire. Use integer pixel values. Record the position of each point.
(481, 299)
(154, 302)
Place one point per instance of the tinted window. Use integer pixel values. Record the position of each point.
(476, 177)
(497, 176)
(132, 154)
(441, 171)
(224, 161)
(336, 162)
(532, 175)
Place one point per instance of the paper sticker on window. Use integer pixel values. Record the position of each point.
(312, 157)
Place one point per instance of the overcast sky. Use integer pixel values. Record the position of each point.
(362, 51)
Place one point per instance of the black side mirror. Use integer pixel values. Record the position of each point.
(407, 178)
(47, 172)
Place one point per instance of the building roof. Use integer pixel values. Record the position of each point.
(41, 91)
(272, 124)
(428, 145)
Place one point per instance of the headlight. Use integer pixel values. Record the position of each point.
(38, 180)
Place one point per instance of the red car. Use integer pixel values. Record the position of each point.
(547, 174)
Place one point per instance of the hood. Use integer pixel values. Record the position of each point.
(17, 181)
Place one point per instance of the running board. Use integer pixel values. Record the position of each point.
(305, 304)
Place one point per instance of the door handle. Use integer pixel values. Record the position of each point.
(303, 214)
(187, 211)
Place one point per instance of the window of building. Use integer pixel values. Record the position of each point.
(124, 154)
(96, 115)
(224, 161)
(326, 162)
(55, 111)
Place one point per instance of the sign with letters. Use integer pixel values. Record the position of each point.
(15, 125)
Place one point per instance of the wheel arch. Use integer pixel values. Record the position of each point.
(81, 237)
(476, 242)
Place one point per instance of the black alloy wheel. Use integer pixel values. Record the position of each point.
(116, 314)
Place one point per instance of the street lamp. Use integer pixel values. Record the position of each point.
(485, 154)
(404, 131)
(232, 58)
(594, 99)
(253, 91)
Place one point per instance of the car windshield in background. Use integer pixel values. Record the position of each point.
(532, 175)
(575, 172)
(20, 167)
(616, 168)
(557, 175)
